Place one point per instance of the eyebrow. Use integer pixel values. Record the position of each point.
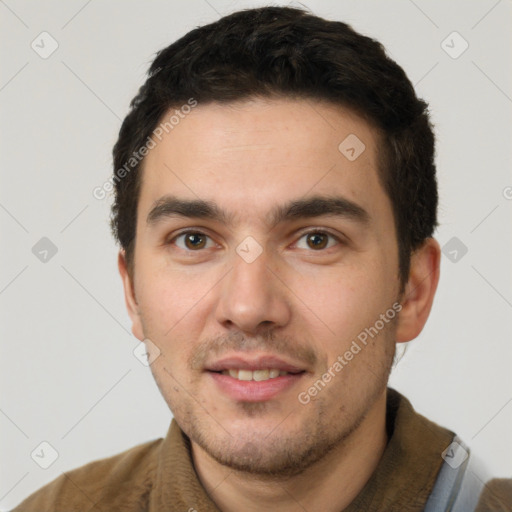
(317, 206)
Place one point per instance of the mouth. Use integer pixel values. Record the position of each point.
(255, 375)
(254, 379)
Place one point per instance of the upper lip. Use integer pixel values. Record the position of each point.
(253, 363)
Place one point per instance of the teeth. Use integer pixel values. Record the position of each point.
(244, 375)
(256, 375)
(260, 374)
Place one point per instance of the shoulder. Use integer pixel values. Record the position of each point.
(119, 482)
(496, 496)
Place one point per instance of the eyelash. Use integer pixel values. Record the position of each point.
(302, 235)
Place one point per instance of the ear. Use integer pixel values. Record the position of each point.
(419, 291)
(129, 296)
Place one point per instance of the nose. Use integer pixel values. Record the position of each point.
(253, 297)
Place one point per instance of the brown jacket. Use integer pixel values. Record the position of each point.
(159, 476)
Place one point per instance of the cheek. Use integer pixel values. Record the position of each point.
(166, 296)
(339, 306)
(347, 296)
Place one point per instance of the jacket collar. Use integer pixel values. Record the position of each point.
(403, 479)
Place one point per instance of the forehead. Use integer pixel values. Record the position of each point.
(249, 156)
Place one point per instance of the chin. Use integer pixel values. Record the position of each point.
(268, 452)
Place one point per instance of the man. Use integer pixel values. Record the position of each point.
(275, 204)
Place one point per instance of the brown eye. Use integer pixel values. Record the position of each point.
(317, 240)
(191, 241)
(194, 241)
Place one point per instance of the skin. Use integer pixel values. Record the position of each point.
(300, 302)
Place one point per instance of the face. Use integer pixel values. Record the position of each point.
(265, 255)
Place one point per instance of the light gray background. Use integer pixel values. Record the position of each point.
(68, 374)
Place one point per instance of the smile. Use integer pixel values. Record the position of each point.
(257, 375)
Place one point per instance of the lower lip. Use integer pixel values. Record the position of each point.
(254, 391)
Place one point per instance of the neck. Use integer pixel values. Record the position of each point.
(329, 485)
